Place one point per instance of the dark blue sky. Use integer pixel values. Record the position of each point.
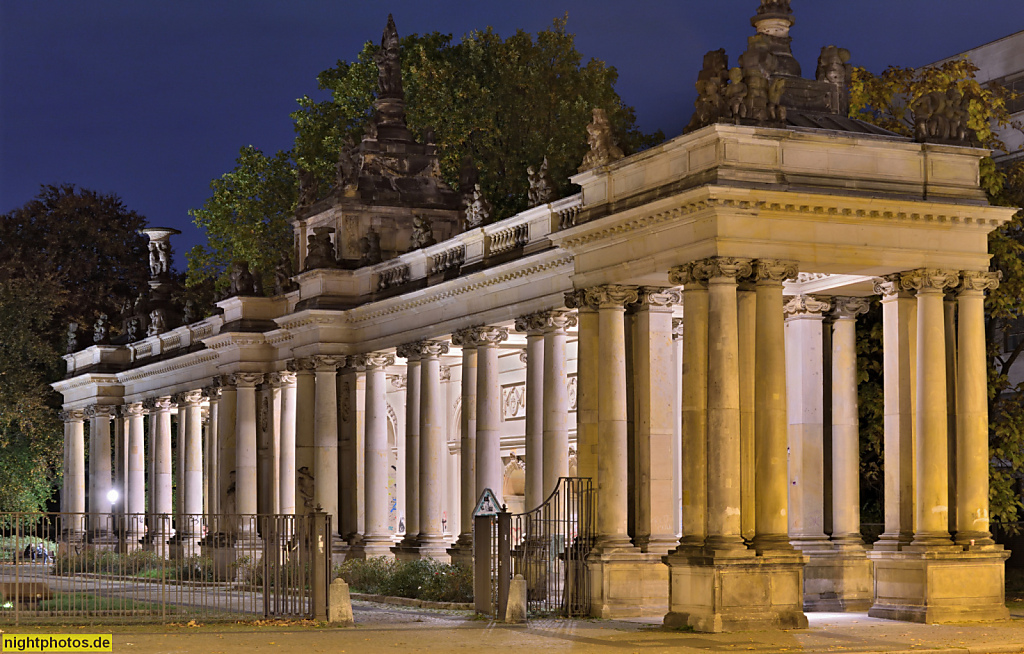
(153, 100)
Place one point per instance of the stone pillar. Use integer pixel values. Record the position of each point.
(226, 454)
(100, 480)
(160, 529)
(245, 448)
(536, 488)
(556, 399)
(653, 368)
(746, 312)
(845, 424)
(693, 277)
(305, 426)
(467, 428)
(949, 306)
(586, 376)
(805, 397)
(191, 444)
(972, 530)
(376, 540)
(770, 406)
(677, 428)
(211, 459)
(399, 383)
(325, 436)
(431, 543)
(74, 473)
(135, 497)
(120, 459)
(489, 471)
(286, 382)
(411, 352)
(351, 445)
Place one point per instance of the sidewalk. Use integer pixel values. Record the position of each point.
(382, 628)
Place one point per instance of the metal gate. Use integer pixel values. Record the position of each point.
(548, 546)
(119, 568)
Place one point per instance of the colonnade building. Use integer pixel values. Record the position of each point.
(670, 332)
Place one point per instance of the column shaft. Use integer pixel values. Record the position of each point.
(135, 500)
(536, 483)
(160, 429)
(413, 409)
(325, 438)
(432, 439)
(467, 437)
(75, 472)
(100, 481)
(226, 453)
(286, 472)
(305, 426)
(489, 473)
(376, 540)
(695, 412)
(245, 445)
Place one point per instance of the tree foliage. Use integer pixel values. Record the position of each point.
(508, 103)
(885, 100)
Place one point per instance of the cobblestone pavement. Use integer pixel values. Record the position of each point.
(385, 628)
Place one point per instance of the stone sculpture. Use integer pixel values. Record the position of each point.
(369, 248)
(283, 276)
(101, 330)
(308, 188)
(478, 209)
(541, 188)
(157, 322)
(304, 482)
(603, 150)
(242, 281)
(320, 249)
(941, 117)
(188, 315)
(159, 259)
(422, 234)
(72, 337)
(348, 164)
(133, 329)
(834, 68)
(389, 72)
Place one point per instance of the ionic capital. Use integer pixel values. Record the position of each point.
(612, 296)
(422, 349)
(134, 409)
(848, 308)
(327, 362)
(212, 392)
(578, 300)
(485, 335)
(283, 378)
(974, 281)
(547, 321)
(246, 379)
(774, 271)
(805, 305)
(72, 415)
(729, 268)
(101, 411)
(655, 297)
(935, 280)
(692, 275)
(533, 323)
(305, 364)
(677, 329)
(158, 404)
(410, 351)
(463, 338)
(372, 360)
(188, 398)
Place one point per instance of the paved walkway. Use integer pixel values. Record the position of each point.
(382, 628)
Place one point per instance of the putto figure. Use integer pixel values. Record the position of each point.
(603, 150)
(541, 189)
(478, 209)
(242, 282)
(422, 234)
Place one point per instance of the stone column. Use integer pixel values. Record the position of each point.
(226, 454)
(805, 398)
(931, 449)
(770, 421)
(399, 383)
(653, 370)
(467, 427)
(972, 413)
(286, 382)
(746, 312)
(100, 481)
(212, 458)
(120, 459)
(489, 471)
(135, 497)
(74, 502)
(586, 376)
(845, 423)
(612, 456)
(677, 427)
(376, 540)
(245, 448)
(411, 352)
(325, 436)
(431, 543)
(160, 529)
(190, 525)
(899, 325)
(305, 413)
(724, 404)
(556, 398)
(694, 401)
(351, 445)
(949, 306)
(536, 486)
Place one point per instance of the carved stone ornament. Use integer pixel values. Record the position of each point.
(942, 117)
(464, 338)
(372, 360)
(546, 321)
(422, 233)
(327, 362)
(157, 322)
(446, 373)
(929, 279)
(347, 169)
(398, 382)
(806, 305)
(542, 190)
(283, 276)
(246, 379)
(158, 404)
(524, 356)
(578, 300)
(487, 335)
(101, 411)
(134, 409)
(72, 337)
(530, 324)
(212, 392)
(775, 271)
(656, 297)
(320, 249)
(572, 391)
(101, 330)
(423, 349)
(603, 149)
(301, 365)
(612, 295)
(677, 329)
(279, 379)
(369, 248)
(409, 351)
(971, 280)
(731, 268)
(835, 69)
(188, 398)
(72, 415)
(478, 209)
(309, 189)
(694, 274)
(848, 308)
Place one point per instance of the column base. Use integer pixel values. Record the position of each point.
(372, 547)
(626, 583)
(660, 544)
(462, 551)
(838, 581)
(181, 547)
(735, 593)
(422, 547)
(940, 585)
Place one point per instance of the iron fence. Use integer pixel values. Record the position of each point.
(128, 567)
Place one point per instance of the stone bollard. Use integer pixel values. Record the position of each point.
(339, 609)
(515, 611)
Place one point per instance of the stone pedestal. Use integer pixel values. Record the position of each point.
(840, 580)
(940, 585)
(739, 591)
(625, 583)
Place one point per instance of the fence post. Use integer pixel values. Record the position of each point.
(321, 570)
(504, 559)
(482, 563)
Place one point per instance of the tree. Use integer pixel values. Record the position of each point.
(66, 256)
(886, 100)
(508, 103)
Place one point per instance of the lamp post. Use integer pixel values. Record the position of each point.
(112, 497)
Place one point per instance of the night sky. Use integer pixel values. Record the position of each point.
(153, 100)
